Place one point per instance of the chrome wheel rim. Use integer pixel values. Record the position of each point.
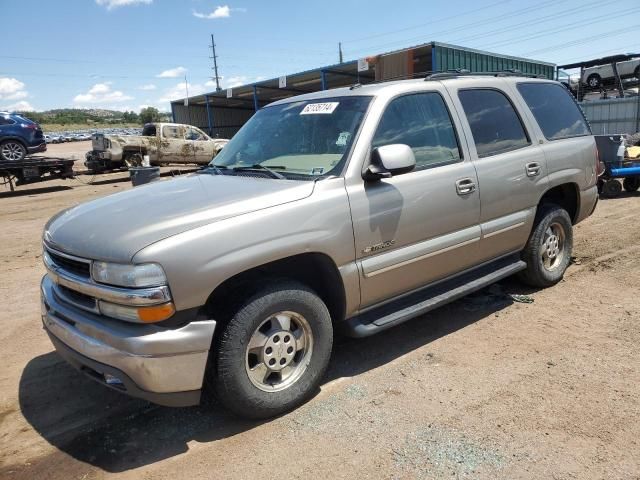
(279, 351)
(12, 151)
(593, 82)
(552, 251)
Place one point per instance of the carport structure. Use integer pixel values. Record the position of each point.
(222, 113)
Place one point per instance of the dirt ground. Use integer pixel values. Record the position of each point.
(483, 388)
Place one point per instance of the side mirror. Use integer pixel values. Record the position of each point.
(389, 160)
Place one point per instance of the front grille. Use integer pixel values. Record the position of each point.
(70, 265)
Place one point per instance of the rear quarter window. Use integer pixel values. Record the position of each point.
(555, 110)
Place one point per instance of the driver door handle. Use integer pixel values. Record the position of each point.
(465, 186)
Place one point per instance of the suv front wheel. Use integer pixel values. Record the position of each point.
(548, 250)
(274, 351)
(12, 151)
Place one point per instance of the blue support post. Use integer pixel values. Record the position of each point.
(209, 119)
(173, 113)
(434, 60)
(255, 98)
(323, 79)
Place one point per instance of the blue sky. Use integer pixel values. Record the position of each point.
(125, 54)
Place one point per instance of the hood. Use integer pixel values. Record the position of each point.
(115, 227)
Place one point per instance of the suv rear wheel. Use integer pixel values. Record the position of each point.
(548, 250)
(274, 351)
(12, 151)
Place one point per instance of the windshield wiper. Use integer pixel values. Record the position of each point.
(212, 168)
(258, 166)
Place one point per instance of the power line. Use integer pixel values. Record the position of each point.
(612, 33)
(430, 22)
(531, 22)
(471, 25)
(557, 29)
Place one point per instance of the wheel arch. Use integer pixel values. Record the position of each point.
(315, 270)
(565, 195)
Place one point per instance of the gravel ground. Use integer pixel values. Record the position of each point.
(483, 388)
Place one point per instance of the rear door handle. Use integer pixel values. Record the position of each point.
(533, 169)
(465, 186)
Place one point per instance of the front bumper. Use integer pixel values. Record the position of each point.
(164, 366)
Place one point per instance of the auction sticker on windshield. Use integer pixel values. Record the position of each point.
(316, 108)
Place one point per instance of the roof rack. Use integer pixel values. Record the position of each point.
(512, 72)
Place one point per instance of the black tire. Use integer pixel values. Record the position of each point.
(594, 81)
(537, 274)
(631, 184)
(231, 374)
(611, 188)
(12, 151)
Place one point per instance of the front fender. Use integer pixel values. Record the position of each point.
(198, 261)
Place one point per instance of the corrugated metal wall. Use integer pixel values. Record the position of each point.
(447, 58)
(225, 121)
(616, 115)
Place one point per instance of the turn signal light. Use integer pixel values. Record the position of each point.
(156, 313)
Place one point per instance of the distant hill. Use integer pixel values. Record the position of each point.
(87, 116)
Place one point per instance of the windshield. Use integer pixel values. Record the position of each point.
(304, 139)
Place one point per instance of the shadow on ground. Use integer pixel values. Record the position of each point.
(116, 433)
(34, 191)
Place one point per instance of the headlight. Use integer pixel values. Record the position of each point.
(122, 275)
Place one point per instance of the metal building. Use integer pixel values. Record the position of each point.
(222, 113)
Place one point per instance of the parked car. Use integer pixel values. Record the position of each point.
(163, 142)
(355, 209)
(595, 77)
(19, 137)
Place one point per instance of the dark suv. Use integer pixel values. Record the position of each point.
(19, 136)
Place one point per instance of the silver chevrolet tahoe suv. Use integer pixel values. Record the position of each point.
(353, 209)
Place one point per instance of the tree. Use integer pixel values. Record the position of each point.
(149, 114)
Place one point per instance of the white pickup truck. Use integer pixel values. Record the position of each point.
(163, 142)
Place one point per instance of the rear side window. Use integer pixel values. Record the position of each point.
(554, 110)
(421, 121)
(495, 125)
(172, 131)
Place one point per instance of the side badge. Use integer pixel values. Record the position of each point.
(379, 246)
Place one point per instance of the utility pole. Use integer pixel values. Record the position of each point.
(215, 64)
(340, 51)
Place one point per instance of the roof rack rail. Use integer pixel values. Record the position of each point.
(512, 72)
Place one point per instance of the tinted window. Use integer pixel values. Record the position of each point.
(6, 121)
(554, 110)
(421, 121)
(495, 125)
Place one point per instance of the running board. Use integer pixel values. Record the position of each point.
(420, 302)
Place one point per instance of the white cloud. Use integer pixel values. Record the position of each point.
(21, 106)
(239, 80)
(101, 95)
(149, 86)
(172, 73)
(221, 11)
(178, 91)
(12, 89)
(111, 4)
